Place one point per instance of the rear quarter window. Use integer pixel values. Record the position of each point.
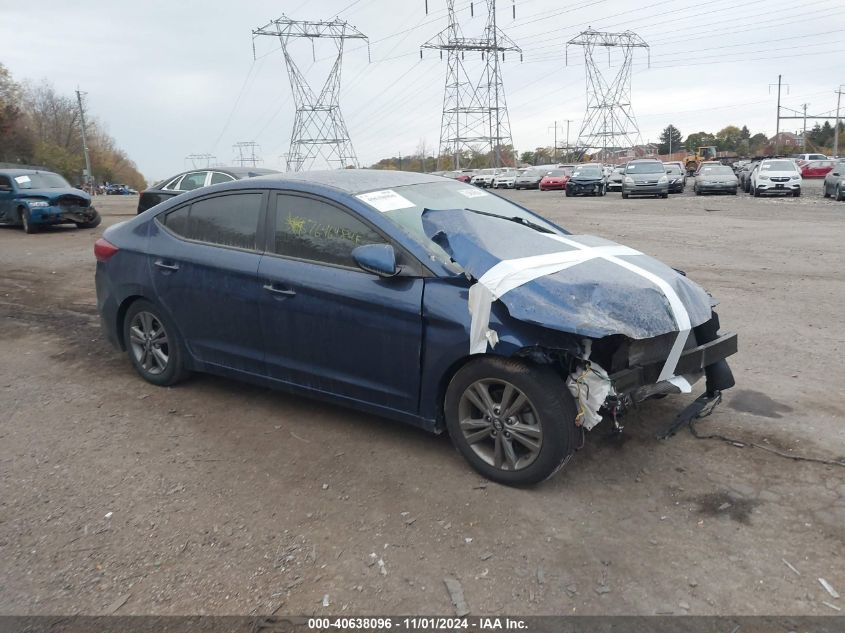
(226, 220)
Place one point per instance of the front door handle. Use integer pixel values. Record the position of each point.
(168, 266)
(289, 292)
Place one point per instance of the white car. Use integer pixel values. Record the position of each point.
(776, 175)
(507, 178)
(808, 157)
(484, 178)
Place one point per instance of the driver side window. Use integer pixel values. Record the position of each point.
(317, 231)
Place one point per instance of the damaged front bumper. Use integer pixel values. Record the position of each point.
(640, 382)
(58, 214)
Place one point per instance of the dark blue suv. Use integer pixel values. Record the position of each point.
(32, 199)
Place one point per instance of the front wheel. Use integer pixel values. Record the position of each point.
(840, 195)
(26, 222)
(796, 193)
(153, 344)
(624, 196)
(513, 422)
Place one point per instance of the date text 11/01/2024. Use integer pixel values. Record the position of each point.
(419, 624)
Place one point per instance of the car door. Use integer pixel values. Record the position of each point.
(328, 325)
(7, 194)
(204, 258)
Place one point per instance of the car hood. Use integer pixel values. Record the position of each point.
(53, 194)
(643, 176)
(585, 178)
(596, 298)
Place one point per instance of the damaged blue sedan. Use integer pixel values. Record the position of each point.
(413, 297)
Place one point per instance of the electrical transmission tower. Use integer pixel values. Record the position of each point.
(197, 160)
(475, 115)
(609, 123)
(318, 129)
(245, 154)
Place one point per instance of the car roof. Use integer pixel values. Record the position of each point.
(24, 172)
(354, 180)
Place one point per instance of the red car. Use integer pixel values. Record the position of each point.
(458, 175)
(816, 168)
(555, 179)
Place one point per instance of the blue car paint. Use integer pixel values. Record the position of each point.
(395, 357)
(12, 201)
(389, 346)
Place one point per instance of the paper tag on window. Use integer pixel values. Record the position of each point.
(472, 193)
(21, 179)
(385, 200)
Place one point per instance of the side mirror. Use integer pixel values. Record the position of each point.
(836, 173)
(376, 258)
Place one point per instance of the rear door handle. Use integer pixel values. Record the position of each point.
(289, 292)
(164, 265)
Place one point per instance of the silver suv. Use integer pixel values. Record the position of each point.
(646, 177)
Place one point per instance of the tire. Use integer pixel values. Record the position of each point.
(547, 413)
(566, 192)
(26, 222)
(91, 224)
(825, 192)
(146, 318)
(624, 196)
(796, 193)
(754, 192)
(839, 195)
(664, 195)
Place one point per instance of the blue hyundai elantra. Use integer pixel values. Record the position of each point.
(413, 297)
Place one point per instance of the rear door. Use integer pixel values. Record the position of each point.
(327, 324)
(204, 260)
(7, 194)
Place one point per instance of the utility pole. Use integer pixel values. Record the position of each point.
(555, 154)
(778, 117)
(836, 127)
(670, 140)
(79, 96)
(804, 133)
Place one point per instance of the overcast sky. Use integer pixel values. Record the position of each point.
(168, 79)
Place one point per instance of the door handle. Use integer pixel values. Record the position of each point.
(289, 292)
(169, 266)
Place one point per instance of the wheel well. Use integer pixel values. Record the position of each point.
(121, 315)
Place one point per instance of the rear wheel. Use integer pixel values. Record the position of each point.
(513, 422)
(153, 344)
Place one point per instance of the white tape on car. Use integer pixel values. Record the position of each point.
(512, 273)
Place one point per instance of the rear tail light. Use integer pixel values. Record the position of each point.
(103, 250)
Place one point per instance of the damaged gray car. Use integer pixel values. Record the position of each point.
(413, 297)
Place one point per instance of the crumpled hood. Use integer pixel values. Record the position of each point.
(595, 298)
(54, 194)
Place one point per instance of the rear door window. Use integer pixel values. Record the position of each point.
(314, 230)
(218, 177)
(192, 181)
(226, 220)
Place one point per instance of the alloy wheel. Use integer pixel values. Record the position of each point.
(500, 424)
(149, 342)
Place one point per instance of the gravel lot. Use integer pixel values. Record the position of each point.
(216, 497)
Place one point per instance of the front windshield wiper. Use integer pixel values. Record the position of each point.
(515, 218)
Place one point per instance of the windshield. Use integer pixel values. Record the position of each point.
(41, 180)
(556, 172)
(411, 200)
(778, 165)
(673, 171)
(587, 172)
(644, 168)
(717, 170)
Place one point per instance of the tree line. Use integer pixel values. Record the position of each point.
(40, 127)
(740, 140)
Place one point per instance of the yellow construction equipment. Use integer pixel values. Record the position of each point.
(702, 154)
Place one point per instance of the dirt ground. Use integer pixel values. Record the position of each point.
(216, 497)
